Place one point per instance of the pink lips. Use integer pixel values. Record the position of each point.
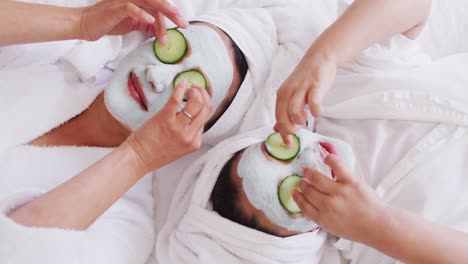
(328, 147)
(136, 91)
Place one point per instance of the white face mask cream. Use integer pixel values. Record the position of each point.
(261, 176)
(208, 54)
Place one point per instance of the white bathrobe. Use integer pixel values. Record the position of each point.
(42, 86)
(407, 121)
(409, 132)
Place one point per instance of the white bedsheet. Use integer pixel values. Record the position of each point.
(445, 32)
(408, 140)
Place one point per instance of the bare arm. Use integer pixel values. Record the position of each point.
(390, 230)
(367, 22)
(411, 239)
(364, 23)
(27, 23)
(78, 202)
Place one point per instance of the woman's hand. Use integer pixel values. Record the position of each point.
(170, 134)
(307, 85)
(116, 17)
(345, 207)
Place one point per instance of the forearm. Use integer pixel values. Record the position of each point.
(367, 22)
(77, 203)
(410, 239)
(27, 23)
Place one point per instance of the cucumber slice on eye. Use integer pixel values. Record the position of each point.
(193, 77)
(175, 48)
(278, 150)
(285, 190)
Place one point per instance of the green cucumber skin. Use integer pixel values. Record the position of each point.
(176, 59)
(295, 140)
(279, 195)
(175, 82)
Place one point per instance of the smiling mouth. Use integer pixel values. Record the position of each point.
(136, 91)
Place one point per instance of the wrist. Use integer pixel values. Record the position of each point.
(321, 53)
(135, 158)
(147, 162)
(76, 26)
(380, 227)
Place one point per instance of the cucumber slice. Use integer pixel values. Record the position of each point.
(193, 77)
(278, 150)
(285, 190)
(175, 48)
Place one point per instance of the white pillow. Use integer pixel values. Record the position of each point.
(447, 30)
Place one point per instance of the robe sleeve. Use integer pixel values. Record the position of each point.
(123, 234)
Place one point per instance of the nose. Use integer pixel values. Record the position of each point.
(161, 76)
(313, 157)
(310, 156)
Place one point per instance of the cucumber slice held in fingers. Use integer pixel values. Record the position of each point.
(193, 77)
(278, 150)
(175, 48)
(285, 189)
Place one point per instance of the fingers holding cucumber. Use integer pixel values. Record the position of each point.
(171, 130)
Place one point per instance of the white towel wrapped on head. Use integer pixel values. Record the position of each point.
(196, 234)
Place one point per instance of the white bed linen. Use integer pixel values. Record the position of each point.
(123, 234)
(401, 154)
(407, 128)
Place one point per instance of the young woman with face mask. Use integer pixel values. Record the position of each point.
(150, 114)
(247, 190)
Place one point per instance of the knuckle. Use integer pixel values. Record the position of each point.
(172, 129)
(196, 144)
(128, 7)
(314, 83)
(186, 141)
(173, 100)
(298, 117)
(209, 106)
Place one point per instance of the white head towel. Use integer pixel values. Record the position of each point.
(196, 234)
(254, 32)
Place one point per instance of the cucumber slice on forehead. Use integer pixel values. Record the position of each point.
(193, 77)
(278, 150)
(285, 189)
(175, 48)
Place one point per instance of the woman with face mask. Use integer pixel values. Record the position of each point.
(152, 115)
(235, 202)
(29, 22)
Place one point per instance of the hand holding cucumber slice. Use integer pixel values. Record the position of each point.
(285, 189)
(278, 150)
(175, 48)
(193, 77)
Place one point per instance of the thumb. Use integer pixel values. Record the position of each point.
(339, 171)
